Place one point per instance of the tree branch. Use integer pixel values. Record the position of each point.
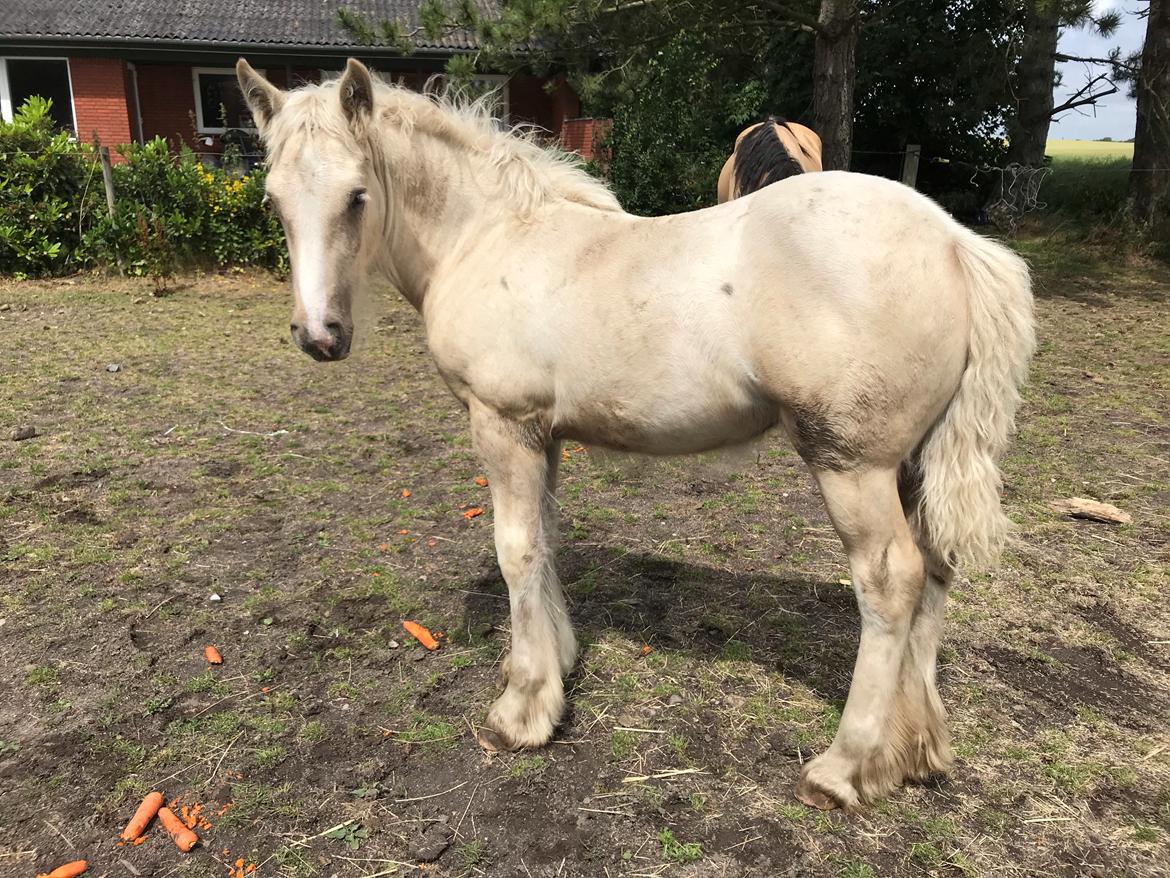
(1091, 99)
(796, 16)
(1110, 62)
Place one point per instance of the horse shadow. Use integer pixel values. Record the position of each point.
(804, 628)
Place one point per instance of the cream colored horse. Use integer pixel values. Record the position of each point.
(885, 339)
(766, 153)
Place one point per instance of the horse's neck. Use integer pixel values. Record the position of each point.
(437, 202)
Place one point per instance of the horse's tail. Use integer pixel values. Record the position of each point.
(957, 465)
(762, 159)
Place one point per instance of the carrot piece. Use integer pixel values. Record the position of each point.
(183, 837)
(142, 816)
(212, 655)
(69, 870)
(405, 493)
(421, 634)
(140, 840)
(481, 481)
(473, 512)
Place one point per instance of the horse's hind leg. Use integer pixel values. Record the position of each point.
(521, 465)
(919, 669)
(887, 714)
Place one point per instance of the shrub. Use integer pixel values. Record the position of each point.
(47, 193)
(170, 212)
(672, 135)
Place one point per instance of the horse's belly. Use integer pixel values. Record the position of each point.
(682, 424)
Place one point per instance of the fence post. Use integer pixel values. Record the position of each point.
(108, 179)
(910, 164)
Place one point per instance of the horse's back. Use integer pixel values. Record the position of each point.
(856, 299)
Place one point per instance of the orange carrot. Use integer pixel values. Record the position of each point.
(419, 633)
(212, 655)
(184, 838)
(646, 649)
(472, 512)
(142, 816)
(405, 493)
(69, 870)
(141, 839)
(481, 481)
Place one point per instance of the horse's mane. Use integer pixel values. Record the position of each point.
(530, 174)
(762, 159)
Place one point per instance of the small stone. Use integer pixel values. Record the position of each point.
(28, 431)
(5, 307)
(215, 597)
(674, 700)
(394, 644)
(114, 367)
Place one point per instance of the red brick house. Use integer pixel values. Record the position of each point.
(130, 70)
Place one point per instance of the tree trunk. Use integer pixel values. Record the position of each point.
(1035, 82)
(834, 71)
(1149, 181)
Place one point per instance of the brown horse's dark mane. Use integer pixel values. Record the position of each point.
(761, 159)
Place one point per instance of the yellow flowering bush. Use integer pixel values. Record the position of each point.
(206, 217)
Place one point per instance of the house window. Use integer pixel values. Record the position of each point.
(21, 78)
(218, 102)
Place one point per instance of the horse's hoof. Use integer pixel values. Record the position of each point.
(491, 740)
(813, 796)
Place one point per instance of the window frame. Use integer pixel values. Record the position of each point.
(200, 128)
(7, 109)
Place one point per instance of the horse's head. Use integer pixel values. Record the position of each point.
(320, 182)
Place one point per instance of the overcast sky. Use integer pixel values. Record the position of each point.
(1115, 115)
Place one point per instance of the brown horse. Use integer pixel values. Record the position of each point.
(766, 152)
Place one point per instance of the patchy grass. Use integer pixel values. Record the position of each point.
(220, 461)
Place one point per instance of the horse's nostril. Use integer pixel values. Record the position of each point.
(334, 328)
(294, 327)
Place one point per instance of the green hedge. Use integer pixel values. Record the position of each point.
(171, 212)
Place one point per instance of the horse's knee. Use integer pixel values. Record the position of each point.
(516, 552)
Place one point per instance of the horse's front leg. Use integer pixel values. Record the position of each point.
(521, 461)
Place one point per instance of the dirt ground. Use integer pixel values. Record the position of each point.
(220, 487)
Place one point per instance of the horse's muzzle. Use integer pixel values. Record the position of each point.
(328, 346)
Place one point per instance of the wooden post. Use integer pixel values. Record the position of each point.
(108, 179)
(910, 164)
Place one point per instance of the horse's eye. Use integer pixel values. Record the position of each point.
(357, 198)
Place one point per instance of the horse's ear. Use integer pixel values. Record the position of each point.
(357, 92)
(263, 98)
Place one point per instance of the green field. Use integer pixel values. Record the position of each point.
(1089, 149)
